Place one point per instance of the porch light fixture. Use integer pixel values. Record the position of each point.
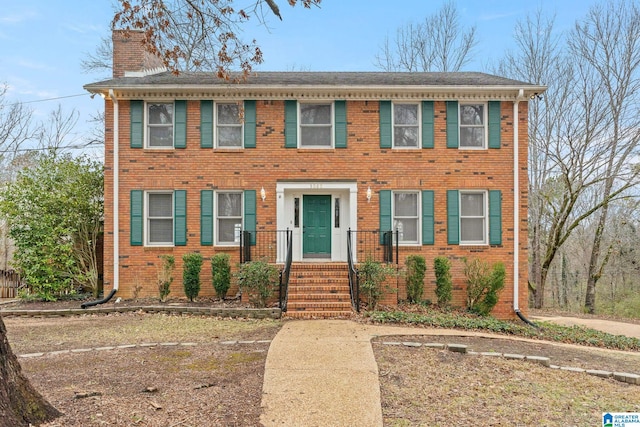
(368, 194)
(263, 194)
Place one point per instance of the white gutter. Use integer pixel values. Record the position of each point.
(116, 192)
(116, 205)
(516, 203)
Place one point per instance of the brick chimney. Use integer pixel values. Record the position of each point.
(129, 53)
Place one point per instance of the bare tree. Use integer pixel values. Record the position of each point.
(58, 133)
(16, 127)
(608, 40)
(439, 43)
(188, 35)
(577, 168)
(101, 60)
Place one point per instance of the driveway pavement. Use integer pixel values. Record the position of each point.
(610, 326)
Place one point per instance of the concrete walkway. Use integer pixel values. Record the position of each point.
(323, 373)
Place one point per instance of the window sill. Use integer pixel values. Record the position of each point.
(230, 247)
(165, 248)
(316, 150)
(160, 150)
(228, 150)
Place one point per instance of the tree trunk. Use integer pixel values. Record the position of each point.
(20, 403)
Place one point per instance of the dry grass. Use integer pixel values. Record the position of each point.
(207, 384)
(423, 387)
(28, 335)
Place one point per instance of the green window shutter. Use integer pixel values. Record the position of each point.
(428, 132)
(180, 217)
(428, 225)
(250, 222)
(385, 124)
(494, 124)
(249, 124)
(340, 111)
(290, 124)
(180, 124)
(137, 124)
(385, 213)
(495, 217)
(206, 124)
(452, 124)
(206, 217)
(453, 217)
(136, 217)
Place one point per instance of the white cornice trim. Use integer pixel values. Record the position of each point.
(325, 93)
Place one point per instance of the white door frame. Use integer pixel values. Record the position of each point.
(346, 191)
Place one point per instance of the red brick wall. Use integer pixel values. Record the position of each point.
(439, 169)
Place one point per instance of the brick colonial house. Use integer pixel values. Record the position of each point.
(315, 169)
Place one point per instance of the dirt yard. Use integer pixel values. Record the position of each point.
(183, 371)
(137, 369)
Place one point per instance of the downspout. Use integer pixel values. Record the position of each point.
(116, 205)
(516, 210)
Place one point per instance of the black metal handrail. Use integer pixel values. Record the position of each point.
(354, 283)
(265, 245)
(285, 273)
(380, 246)
(272, 246)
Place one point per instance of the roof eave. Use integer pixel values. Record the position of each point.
(274, 92)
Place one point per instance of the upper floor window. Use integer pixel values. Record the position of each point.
(472, 126)
(406, 216)
(316, 125)
(406, 125)
(228, 125)
(473, 217)
(228, 217)
(159, 218)
(160, 124)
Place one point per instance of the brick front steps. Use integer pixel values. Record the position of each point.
(319, 290)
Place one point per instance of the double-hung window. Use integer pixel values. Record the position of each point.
(406, 216)
(228, 125)
(228, 217)
(472, 126)
(159, 219)
(473, 217)
(316, 125)
(160, 124)
(406, 125)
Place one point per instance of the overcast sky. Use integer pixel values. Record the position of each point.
(42, 42)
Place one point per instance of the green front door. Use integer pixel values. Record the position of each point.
(316, 221)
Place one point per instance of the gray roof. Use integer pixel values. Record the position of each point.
(317, 79)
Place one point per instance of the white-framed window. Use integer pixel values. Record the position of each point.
(473, 217)
(406, 216)
(159, 124)
(473, 129)
(406, 125)
(316, 125)
(228, 211)
(228, 125)
(159, 218)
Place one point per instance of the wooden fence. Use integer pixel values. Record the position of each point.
(9, 283)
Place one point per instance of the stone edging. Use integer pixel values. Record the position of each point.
(143, 345)
(253, 313)
(544, 361)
